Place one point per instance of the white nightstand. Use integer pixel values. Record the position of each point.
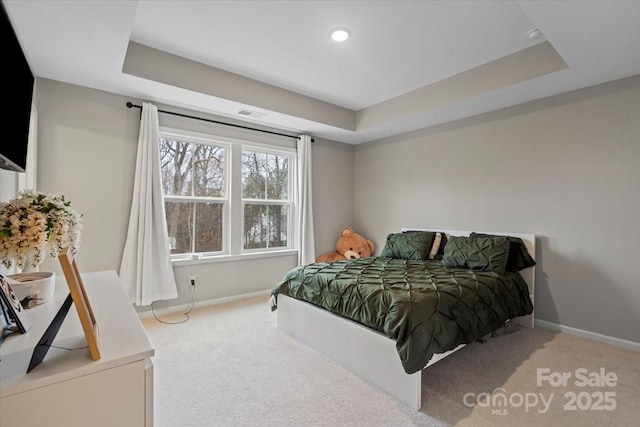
(68, 388)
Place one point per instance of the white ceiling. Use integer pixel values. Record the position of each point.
(378, 83)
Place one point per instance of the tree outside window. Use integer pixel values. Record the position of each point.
(193, 183)
(265, 199)
(196, 183)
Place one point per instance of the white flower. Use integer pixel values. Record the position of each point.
(35, 225)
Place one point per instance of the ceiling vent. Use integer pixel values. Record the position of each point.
(252, 114)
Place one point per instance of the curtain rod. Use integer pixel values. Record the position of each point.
(131, 105)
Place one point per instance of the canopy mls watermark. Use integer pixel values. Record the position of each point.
(593, 393)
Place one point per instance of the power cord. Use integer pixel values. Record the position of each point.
(66, 348)
(186, 314)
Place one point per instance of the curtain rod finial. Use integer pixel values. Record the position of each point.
(129, 105)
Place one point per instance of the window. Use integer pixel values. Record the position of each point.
(265, 199)
(194, 180)
(226, 197)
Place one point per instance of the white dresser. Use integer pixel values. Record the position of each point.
(68, 388)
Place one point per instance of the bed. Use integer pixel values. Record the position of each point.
(387, 318)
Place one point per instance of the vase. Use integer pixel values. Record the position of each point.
(33, 289)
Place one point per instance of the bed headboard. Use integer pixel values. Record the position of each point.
(528, 274)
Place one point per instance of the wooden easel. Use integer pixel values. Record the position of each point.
(81, 301)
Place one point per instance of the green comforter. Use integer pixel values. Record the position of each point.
(424, 307)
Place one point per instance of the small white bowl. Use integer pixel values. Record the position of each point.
(39, 287)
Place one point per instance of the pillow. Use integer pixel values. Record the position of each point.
(477, 253)
(436, 245)
(439, 243)
(519, 257)
(411, 245)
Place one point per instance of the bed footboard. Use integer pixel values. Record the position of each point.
(367, 353)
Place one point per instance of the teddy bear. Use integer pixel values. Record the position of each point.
(350, 245)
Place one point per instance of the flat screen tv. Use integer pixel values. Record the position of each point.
(16, 118)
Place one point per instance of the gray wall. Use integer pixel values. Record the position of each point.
(87, 150)
(87, 147)
(333, 178)
(566, 168)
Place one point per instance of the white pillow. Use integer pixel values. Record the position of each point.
(436, 245)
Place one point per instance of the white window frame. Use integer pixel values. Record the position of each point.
(233, 219)
(291, 233)
(202, 139)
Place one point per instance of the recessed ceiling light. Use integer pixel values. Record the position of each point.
(535, 34)
(340, 34)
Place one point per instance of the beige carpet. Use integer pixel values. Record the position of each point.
(230, 365)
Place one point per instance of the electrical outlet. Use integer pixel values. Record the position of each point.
(192, 279)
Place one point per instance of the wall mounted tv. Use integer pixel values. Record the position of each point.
(16, 118)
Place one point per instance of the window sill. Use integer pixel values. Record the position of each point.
(230, 258)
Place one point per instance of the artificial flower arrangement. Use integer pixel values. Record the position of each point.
(35, 225)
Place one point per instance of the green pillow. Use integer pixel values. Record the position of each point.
(519, 257)
(410, 245)
(476, 253)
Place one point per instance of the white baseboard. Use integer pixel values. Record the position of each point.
(616, 342)
(215, 301)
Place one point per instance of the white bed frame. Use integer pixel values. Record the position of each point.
(367, 353)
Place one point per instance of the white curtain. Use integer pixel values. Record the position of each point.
(146, 270)
(306, 251)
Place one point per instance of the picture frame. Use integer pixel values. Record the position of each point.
(81, 301)
(14, 314)
(78, 297)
